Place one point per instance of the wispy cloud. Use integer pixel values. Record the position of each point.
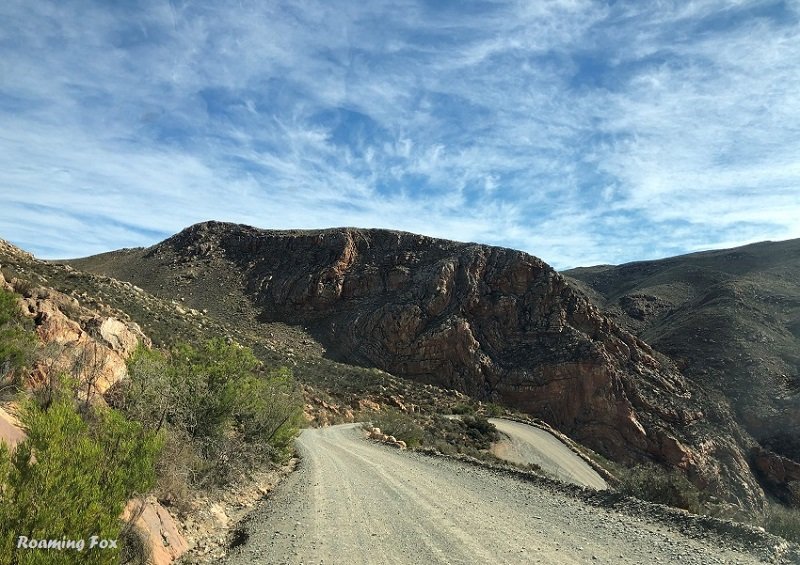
(582, 132)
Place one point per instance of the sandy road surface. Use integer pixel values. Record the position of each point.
(528, 444)
(353, 502)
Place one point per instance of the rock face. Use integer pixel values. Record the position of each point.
(158, 529)
(494, 323)
(730, 318)
(10, 430)
(91, 347)
(781, 475)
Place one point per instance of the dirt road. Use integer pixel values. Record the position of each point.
(354, 502)
(528, 444)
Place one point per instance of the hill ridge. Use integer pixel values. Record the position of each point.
(496, 323)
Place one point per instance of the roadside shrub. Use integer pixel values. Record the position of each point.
(469, 435)
(494, 410)
(177, 469)
(71, 479)
(147, 395)
(135, 547)
(463, 408)
(481, 431)
(207, 382)
(443, 447)
(661, 486)
(269, 410)
(17, 340)
(783, 521)
(400, 425)
(222, 413)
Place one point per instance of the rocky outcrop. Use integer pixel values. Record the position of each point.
(79, 341)
(730, 318)
(494, 323)
(779, 474)
(159, 531)
(93, 348)
(10, 430)
(378, 435)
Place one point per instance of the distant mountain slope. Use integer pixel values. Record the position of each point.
(495, 323)
(732, 320)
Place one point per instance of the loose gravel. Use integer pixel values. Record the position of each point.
(356, 502)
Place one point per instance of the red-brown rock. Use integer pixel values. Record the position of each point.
(497, 324)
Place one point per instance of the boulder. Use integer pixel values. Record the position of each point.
(121, 337)
(780, 475)
(10, 431)
(158, 528)
(95, 352)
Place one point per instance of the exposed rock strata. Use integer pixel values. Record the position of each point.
(158, 529)
(731, 320)
(495, 323)
(781, 475)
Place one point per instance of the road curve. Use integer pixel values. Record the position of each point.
(529, 444)
(356, 502)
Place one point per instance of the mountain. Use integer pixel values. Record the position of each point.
(730, 319)
(494, 323)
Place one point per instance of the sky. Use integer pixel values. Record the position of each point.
(582, 132)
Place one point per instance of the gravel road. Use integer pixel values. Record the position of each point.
(528, 444)
(353, 501)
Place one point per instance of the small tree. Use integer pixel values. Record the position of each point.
(269, 410)
(17, 341)
(655, 484)
(71, 479)
(207, 382)
(148, 395)
(215, 398)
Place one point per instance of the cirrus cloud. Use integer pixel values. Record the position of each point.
(583, 132)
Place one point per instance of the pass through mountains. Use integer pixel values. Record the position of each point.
(497, 324)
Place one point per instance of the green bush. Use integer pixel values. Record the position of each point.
(17, 341)
(480, 431)
(494, 410)
(70, 478)
(221, 413)
(206, 383)
(400, 425)
(269, 410)
(147, 395)
(135, 547)
(9, 310)
(463, 408)
(783, 521)
(654, 484)
(177, 470)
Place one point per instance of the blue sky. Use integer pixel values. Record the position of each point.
(582, 132)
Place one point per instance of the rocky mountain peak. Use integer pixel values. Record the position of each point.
(497, 324)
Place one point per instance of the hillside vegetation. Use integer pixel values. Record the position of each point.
(731, 321)
(188, 417)
(204, 291)
(496, 324)
(729, 318)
